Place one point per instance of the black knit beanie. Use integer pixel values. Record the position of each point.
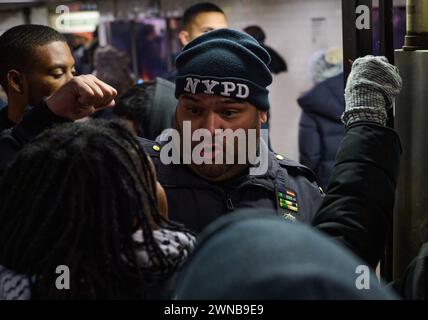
(225, 62)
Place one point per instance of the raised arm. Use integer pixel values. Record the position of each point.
(358, 205)
(79, 98)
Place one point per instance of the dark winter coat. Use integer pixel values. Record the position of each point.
(196, 202)
(320, 128)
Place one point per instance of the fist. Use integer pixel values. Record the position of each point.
(374, 75)
(81, 97)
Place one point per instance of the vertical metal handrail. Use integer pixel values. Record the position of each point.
(358, 43)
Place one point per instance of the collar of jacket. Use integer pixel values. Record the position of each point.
(178, 175)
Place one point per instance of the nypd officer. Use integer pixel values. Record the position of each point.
(221, 85)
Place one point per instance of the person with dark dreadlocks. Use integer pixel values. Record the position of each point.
(27, 265)
(93, 204)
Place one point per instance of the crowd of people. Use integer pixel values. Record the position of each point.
(97, 196)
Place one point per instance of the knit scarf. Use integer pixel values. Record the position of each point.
(175, 246)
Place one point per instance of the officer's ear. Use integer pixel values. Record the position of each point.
(184, 37)
(15, 81)
(263, 116)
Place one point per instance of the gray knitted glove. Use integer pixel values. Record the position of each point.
(370, 91)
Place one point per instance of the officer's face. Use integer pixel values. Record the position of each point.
(203, 23)
(52, 67)
(214, 112)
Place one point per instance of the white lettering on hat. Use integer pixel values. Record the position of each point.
(228, 87)
(191, 85)
(209, 85)
(239, 90)
(243, 91)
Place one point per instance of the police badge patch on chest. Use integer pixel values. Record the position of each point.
(287, 201)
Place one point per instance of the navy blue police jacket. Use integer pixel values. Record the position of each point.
(287, 187)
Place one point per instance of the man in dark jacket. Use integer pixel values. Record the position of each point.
(264, 258)
(221, 85)
(35, 62)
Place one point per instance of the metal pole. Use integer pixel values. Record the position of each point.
(356, 43)
(27, 15)
(387, 50)
(410, 212)
(417, 25)
(169, 52)
(134, 49)
(386, 29)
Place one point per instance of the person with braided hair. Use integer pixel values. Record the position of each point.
(92, 204)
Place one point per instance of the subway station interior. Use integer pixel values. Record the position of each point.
(361, 182)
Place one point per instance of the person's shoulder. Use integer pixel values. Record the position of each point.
(295, 168)
(301, 175)
(152, 148)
